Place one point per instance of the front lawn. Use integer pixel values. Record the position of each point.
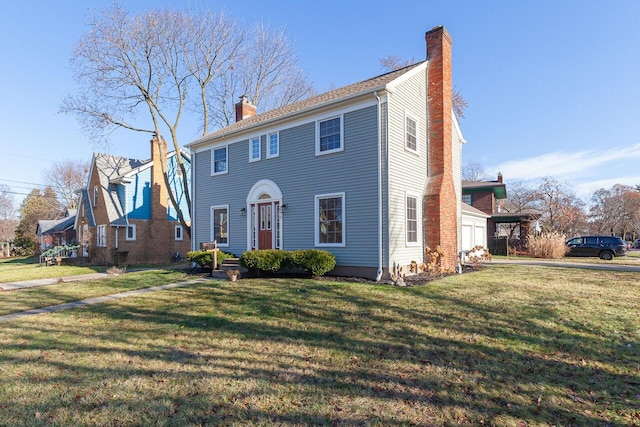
(509, 345)
(28, 268)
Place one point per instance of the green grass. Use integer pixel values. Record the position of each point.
(27, 268)
(45, 296)
(507, 346)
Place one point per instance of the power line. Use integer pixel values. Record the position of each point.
(23, 182)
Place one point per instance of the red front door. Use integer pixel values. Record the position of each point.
(265, 225)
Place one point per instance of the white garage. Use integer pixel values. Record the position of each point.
(474, 227)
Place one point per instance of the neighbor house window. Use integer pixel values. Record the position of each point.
(411, 134)
(466, 198)
(330, 220)
(274, 145)
(131, 232)
(101, 235)
(220, 225)
(412, 220)
(95, 196)
(254, 144)
(219, 160)
(178, 232)
(329, 136)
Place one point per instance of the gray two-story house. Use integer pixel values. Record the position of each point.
(369, 172)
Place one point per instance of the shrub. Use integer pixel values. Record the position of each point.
(265, 260)
(205, 258)
(548, 245)
(315, 261)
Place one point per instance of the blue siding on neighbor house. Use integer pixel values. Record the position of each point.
(138, 202)
(175, 182)
(300, 175)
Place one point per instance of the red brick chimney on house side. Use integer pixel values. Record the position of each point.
(440, 205)
(244, 109)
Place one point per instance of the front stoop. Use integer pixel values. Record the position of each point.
(228, 264)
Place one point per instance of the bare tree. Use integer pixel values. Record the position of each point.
(521, 198)
(160, 63)
(393, 62)
(473, 171)
(8, 222)
(562, 211)
(66, 177)
(616, 210)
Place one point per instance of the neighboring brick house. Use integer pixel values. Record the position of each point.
(125, 215)
(57, 232)
(370, 172)
(488, 197)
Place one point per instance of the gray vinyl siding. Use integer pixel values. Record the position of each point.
(407, 170)
(300, 175)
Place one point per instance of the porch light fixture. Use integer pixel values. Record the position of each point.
(283, 208)
(243, 211)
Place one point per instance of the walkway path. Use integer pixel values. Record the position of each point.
(96, 300)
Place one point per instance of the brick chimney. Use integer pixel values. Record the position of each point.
(159, 192)
(244, 109)
(440, 204)
(500, 177)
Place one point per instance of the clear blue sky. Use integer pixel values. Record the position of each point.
(553, 87)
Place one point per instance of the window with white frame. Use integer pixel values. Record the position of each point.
(220, 225)
(411, 133)
(466, 198)
(178, 232)
(274, 145)
(219, 160)
(95, 196)
(412, 219)
(330, 220)
(254, 146)
(329, 136)
(101, 235)
(131, 232)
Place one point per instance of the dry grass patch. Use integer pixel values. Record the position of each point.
(509, 345)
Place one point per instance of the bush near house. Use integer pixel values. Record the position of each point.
(205, 258)
(314, 261)
(548, 245)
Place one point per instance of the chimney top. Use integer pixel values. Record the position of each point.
(244, 109)
(500, 177)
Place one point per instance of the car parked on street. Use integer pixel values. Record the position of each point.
(605, 247)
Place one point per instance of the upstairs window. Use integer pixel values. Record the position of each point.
(95, 196)
(254, 146)
(411, 134)
(219, 160)
(329, 137)
(466, 198)
(274, 145)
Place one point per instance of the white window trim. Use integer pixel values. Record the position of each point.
(277, 154)
(211, 223)
(213, 163)
(179, 227)
(102, 243)
(408, 115)
(418, 219)
(126, 232)
(317, 220)
(95, 196)
(251, 159)
(324, 119)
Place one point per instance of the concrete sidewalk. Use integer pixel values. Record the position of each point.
(95, 300)
(11, 286)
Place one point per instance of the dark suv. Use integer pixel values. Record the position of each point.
(605, 247)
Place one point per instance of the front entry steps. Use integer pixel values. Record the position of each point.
(227, 265)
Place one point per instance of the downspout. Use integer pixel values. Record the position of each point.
(380, 245)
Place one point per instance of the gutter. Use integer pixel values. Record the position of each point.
(380, 245)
